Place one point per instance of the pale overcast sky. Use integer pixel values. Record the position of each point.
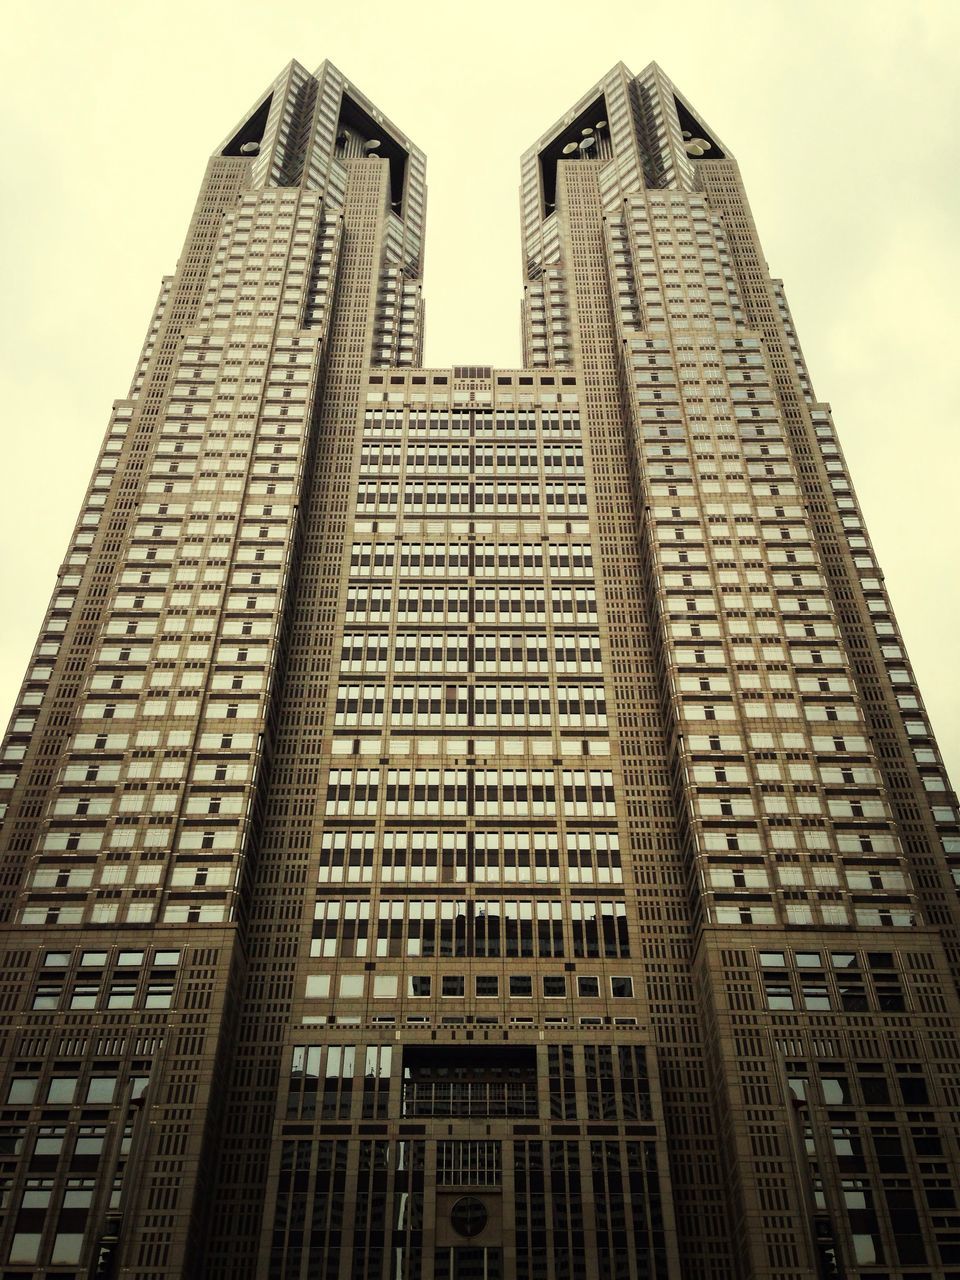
(843, 116)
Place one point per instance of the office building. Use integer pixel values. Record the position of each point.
(475, 824)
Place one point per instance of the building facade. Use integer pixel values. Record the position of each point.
(475, 824)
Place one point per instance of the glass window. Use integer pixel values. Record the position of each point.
(23, 1090)
(836, 1090)
(779, 995)
(90, 1141)
(49, 1141)
(62, 1090)
(101, 1089)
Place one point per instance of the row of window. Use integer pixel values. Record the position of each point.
(453, 651)
(416, 986)
(349, 857)
(484, 792)
(475, 927)
(452, 558)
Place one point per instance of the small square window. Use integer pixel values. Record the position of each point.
(89, 1141)
(621, 987)
(23, 1090)
(588, 988)
(25, 1247)
(62, 1090)
(318, 986)
(101, 1089)
(836, 1090)
(385, 987)
(49, 1142)
(815, 996)
(418, 985)
(521, 984)
(66, 1246)
(452, 984)
(488, 985)
(351, 986)
(779, 995)
(554, 986)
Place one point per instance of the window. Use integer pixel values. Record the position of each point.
(521, 985)
(487, 985)
(779, 994)
(101, 1089)
(452, 984)
(49, 1141)
(836, 1089)
(62, 1090)
(121, 996)
(23, 1090)
(554, 986)
(90, 1140)
(621, 987)
(588, 988)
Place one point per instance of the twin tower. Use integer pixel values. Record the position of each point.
(475, 824)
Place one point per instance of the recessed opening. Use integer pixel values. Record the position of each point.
(694, 132)
(252, 131)
(572, 136)
(357, 130)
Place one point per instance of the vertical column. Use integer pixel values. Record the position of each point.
(659, 873)
(293, 799)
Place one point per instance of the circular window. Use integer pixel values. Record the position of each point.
(468, 1216)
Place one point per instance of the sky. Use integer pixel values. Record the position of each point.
(842, 116)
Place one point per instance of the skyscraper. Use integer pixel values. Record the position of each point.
(475, 823)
